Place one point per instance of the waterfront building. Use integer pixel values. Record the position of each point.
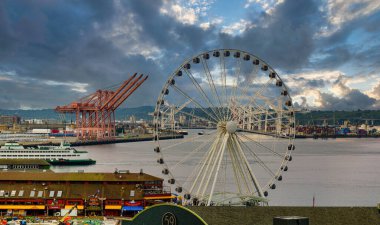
(10, 119)
(23, 164)
(108, 194)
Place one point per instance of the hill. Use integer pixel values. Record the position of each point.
(312, 117)
(121, 114)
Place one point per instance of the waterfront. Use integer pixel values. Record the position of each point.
(338, 172)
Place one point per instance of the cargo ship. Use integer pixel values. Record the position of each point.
(63, 154)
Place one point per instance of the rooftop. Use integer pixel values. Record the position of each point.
(43, 176)
(23, 162)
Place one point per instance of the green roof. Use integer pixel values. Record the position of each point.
(24, 162)
(43, 176)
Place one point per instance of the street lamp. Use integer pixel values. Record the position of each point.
(101, 201)
(122, 192)
(46, 205)
(122, 200)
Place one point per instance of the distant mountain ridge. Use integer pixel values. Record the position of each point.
(141, 112)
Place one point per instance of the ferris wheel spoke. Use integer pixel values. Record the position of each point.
(203, 94)
(195, 102)
(254, 75)
(199, 168)
(183, 142)
(273, 105)
(268, 134)
(211, 83)
(270, 119)
(234, 88)
(261, 145)
(235, 171)
(261, 108)
(253, 97)
(223, 77)
(198, 117)
(242, 178)
(258, 159)
(208, 173)
(204, 170)
(197, 149)
(198, 171)
(248, 167)
(219, 159)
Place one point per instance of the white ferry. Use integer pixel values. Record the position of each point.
(63, 154)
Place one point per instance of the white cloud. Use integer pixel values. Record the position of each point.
(326, 89)
(237, 28)
(309, 98)
(15, 78)
(186, 12)
(7, 75)
(374, 92)
(267, 5)
(343, 11)
(74, 86)
(305, 79)
(126, 34)
(340, 88)
(182, 14)
(214, 22)
(324, 74)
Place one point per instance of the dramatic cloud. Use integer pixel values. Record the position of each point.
(353, 100)
(284, 38)
(53, 52)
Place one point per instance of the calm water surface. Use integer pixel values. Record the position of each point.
(338, 172)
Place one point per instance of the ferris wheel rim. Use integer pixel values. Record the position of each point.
(285, 160)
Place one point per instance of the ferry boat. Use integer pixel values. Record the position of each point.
(63, 154)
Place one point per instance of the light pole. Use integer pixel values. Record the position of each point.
(101, 202)
(85, 206)
(122, 200)
(46, 205)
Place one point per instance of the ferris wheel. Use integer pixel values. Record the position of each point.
(242, 132)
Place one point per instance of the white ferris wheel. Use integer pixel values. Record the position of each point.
(240, 120)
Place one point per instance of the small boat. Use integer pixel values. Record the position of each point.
(63, 154)
(183, 132)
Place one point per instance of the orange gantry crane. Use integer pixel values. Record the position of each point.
(95, 113)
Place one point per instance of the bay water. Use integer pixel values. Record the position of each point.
(333, 172)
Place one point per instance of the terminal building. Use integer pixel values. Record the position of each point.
(53, 194)
(23, 164)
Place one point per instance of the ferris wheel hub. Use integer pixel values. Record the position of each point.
(231, 127)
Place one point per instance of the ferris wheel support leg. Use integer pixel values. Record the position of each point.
(203, 170)
(236, 168)
(254, 179)
(238, 163)
(210, 172)
(223, 147)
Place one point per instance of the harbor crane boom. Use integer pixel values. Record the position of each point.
(95, 113)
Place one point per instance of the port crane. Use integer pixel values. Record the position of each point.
(95, 113)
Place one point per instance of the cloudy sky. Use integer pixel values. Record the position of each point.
(52, 52)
